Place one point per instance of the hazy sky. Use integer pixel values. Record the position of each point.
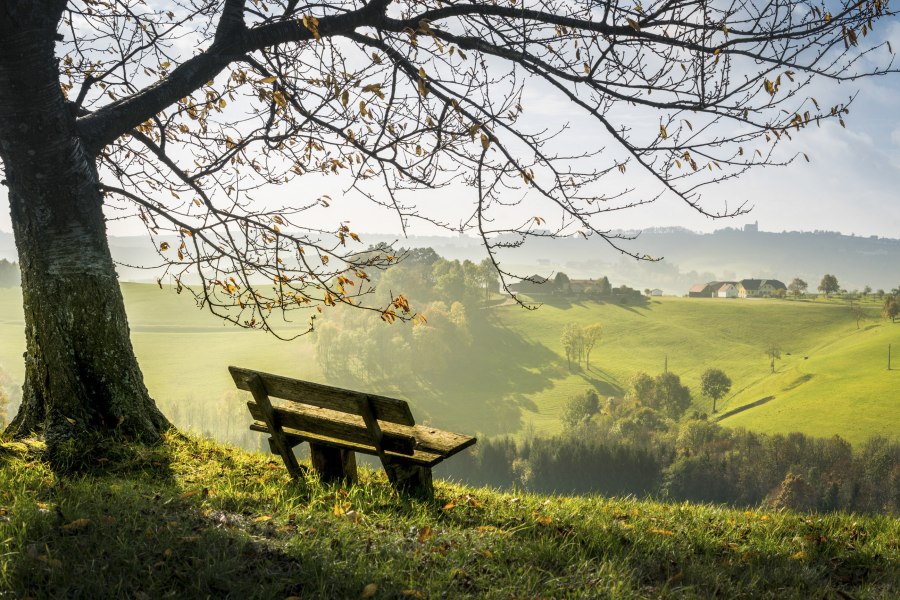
(850, 185)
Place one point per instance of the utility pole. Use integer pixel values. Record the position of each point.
(889, 357)
(666, 366)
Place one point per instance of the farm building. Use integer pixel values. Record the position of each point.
(728, 290)
(745, 288)
(704, 290)
(760, 288)
(531, 284)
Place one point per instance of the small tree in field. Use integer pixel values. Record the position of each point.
(797, 287)
(891, 308)
(592, 334)
(829, 285)
(856, 311)
(714, 384)
(573, 344)
(773, 351)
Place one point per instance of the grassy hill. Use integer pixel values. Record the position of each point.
(184, 353)
(191, 519)
(832, 378)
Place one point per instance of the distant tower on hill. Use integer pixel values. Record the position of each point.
(751, 227)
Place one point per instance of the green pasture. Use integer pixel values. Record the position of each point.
(832, 377)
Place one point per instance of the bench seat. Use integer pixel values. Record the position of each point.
(338, 423)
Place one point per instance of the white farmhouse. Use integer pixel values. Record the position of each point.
(728, 290)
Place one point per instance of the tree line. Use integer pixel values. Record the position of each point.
(637, 446)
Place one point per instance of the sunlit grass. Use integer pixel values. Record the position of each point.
(195, 519)
(843, 387)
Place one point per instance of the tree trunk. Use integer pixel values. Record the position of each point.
(81, 374)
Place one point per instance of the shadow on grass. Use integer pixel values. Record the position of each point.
(486, 390)
(134, 528)
(195, 520)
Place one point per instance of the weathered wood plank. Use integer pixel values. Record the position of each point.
(258, 389)
(324, 396)
(337, 425)
(438, 441)
(294, 437)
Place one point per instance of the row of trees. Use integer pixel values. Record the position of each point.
(664, 394)
(578, 342)
(830, 285)
(635, 449)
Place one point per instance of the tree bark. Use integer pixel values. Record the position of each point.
(81, 374)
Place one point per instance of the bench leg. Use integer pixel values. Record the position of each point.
(333, 464)
(414, 480)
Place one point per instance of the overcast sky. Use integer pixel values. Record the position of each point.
(850, 185)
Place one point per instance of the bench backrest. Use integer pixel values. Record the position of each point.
(386, 409)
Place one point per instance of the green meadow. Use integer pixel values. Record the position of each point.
(832, 377)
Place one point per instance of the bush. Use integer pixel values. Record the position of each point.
(579, 409)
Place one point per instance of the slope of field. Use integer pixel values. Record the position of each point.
(192, 519)
(184, 353)
(831, 379)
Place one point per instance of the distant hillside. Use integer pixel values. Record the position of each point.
(831, 379)
(727, 254)
(689, 257)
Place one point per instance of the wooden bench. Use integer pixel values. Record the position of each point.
(337, 423)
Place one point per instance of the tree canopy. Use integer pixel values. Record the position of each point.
(714, 383)
(399, 95)
(829, 284)
(797, 287)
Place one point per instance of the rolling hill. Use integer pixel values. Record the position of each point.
(832, 377)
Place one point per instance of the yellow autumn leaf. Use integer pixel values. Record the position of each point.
(425, 534)
(76, 525)
(369, 591)
(270, 79)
